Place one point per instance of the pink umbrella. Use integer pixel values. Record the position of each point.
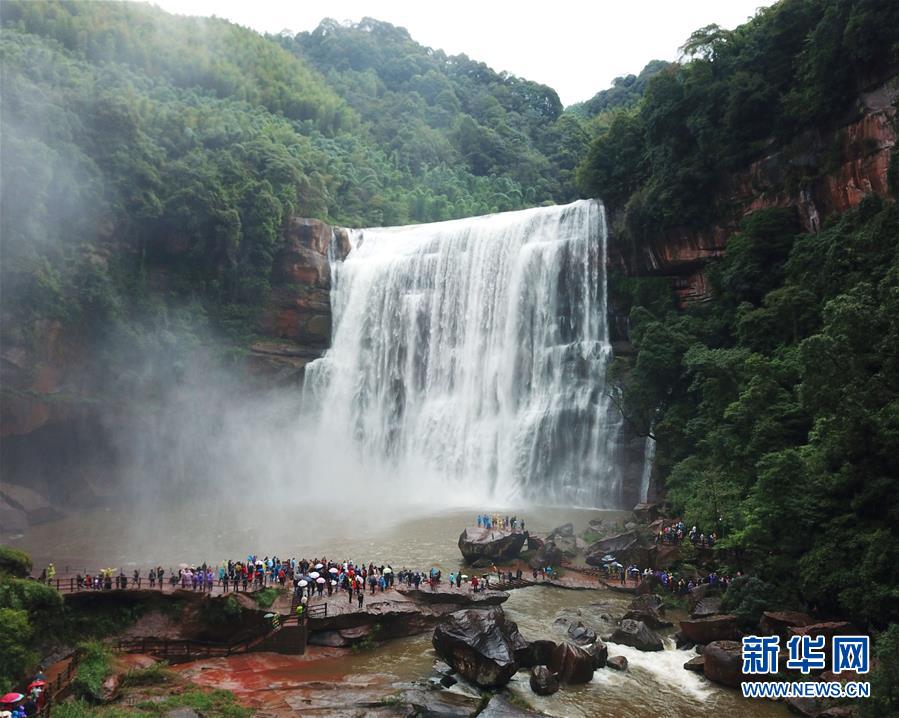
(11, 698)
(319, 580)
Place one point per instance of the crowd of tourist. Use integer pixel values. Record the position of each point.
(496, 521)
(676, 534)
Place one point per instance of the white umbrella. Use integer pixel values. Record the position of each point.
(319, 580)
(333, 570)
(333, 583)
(319, 565)
(314, 574)
(303, 584)
(360, 580)
(388, 570)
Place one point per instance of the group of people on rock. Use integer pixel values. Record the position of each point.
(495, 521)
(675, 534)
(668, 580)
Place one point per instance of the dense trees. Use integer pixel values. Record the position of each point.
(797, 64)
(134, 140)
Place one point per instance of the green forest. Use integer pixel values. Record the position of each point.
(134, 139)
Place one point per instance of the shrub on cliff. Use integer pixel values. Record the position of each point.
(14, 562)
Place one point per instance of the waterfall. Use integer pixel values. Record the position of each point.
(468, 358)
(649, 456)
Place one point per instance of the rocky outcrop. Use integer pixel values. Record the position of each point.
(822, 172)
(543, 681)
(572, 664)
(479, 543)
(477, 643)
(600, 652)
(648, 609)
(696, 664)
(714, 628)
(636, 635)
(297, 315)
(581, 634)
(547, 555)
(723, 663)
(778, 622)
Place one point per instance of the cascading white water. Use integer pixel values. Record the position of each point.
(469, 358)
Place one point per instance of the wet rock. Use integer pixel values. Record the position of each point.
(724, 663)
(442, 669)
(616, 545)
(547, 555)
(828, 629)
(714, 628)
(778, 623)
(636, 635)
(808, 707)
(478, 543)
(696, 664)
(648, 609)
(682, 643)
(837, 712)
(566, 530)
(705, 607)
(567, 545)
(447, 704)
(572, 664)
(535, 543)
(663, 556)
(477, 644)
(543, 681)
(646, 513)
(500, 707)
(600, 653)
(538, 653)
(581, 634)
(448, 681)
(617, 663)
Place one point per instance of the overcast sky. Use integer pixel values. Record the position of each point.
(577, 48)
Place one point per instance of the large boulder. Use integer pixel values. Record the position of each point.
(543, 681)
(581, 634)
(534, 542)
(636, 635)
(646, 513)
(564, 531)
(479, 645)
(723, 663)
(648, 608)
(777, 623)
(478, 543)
(706, 607)
(714, 628)
(600, 653)
(663, 556)
(537, 653)
(547, 555)
(615, 544)
(572, 664)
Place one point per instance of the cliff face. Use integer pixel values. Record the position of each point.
(820, 173)
(297, 317)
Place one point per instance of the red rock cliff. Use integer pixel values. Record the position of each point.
(820, 173)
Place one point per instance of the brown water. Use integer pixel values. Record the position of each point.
(655, 684)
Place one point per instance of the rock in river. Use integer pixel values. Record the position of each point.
(617, 663)
(636, 635)
(723, 663)
(543, 681)
(572, 664)
(478, 543)
(479, 645)
(722, 627)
